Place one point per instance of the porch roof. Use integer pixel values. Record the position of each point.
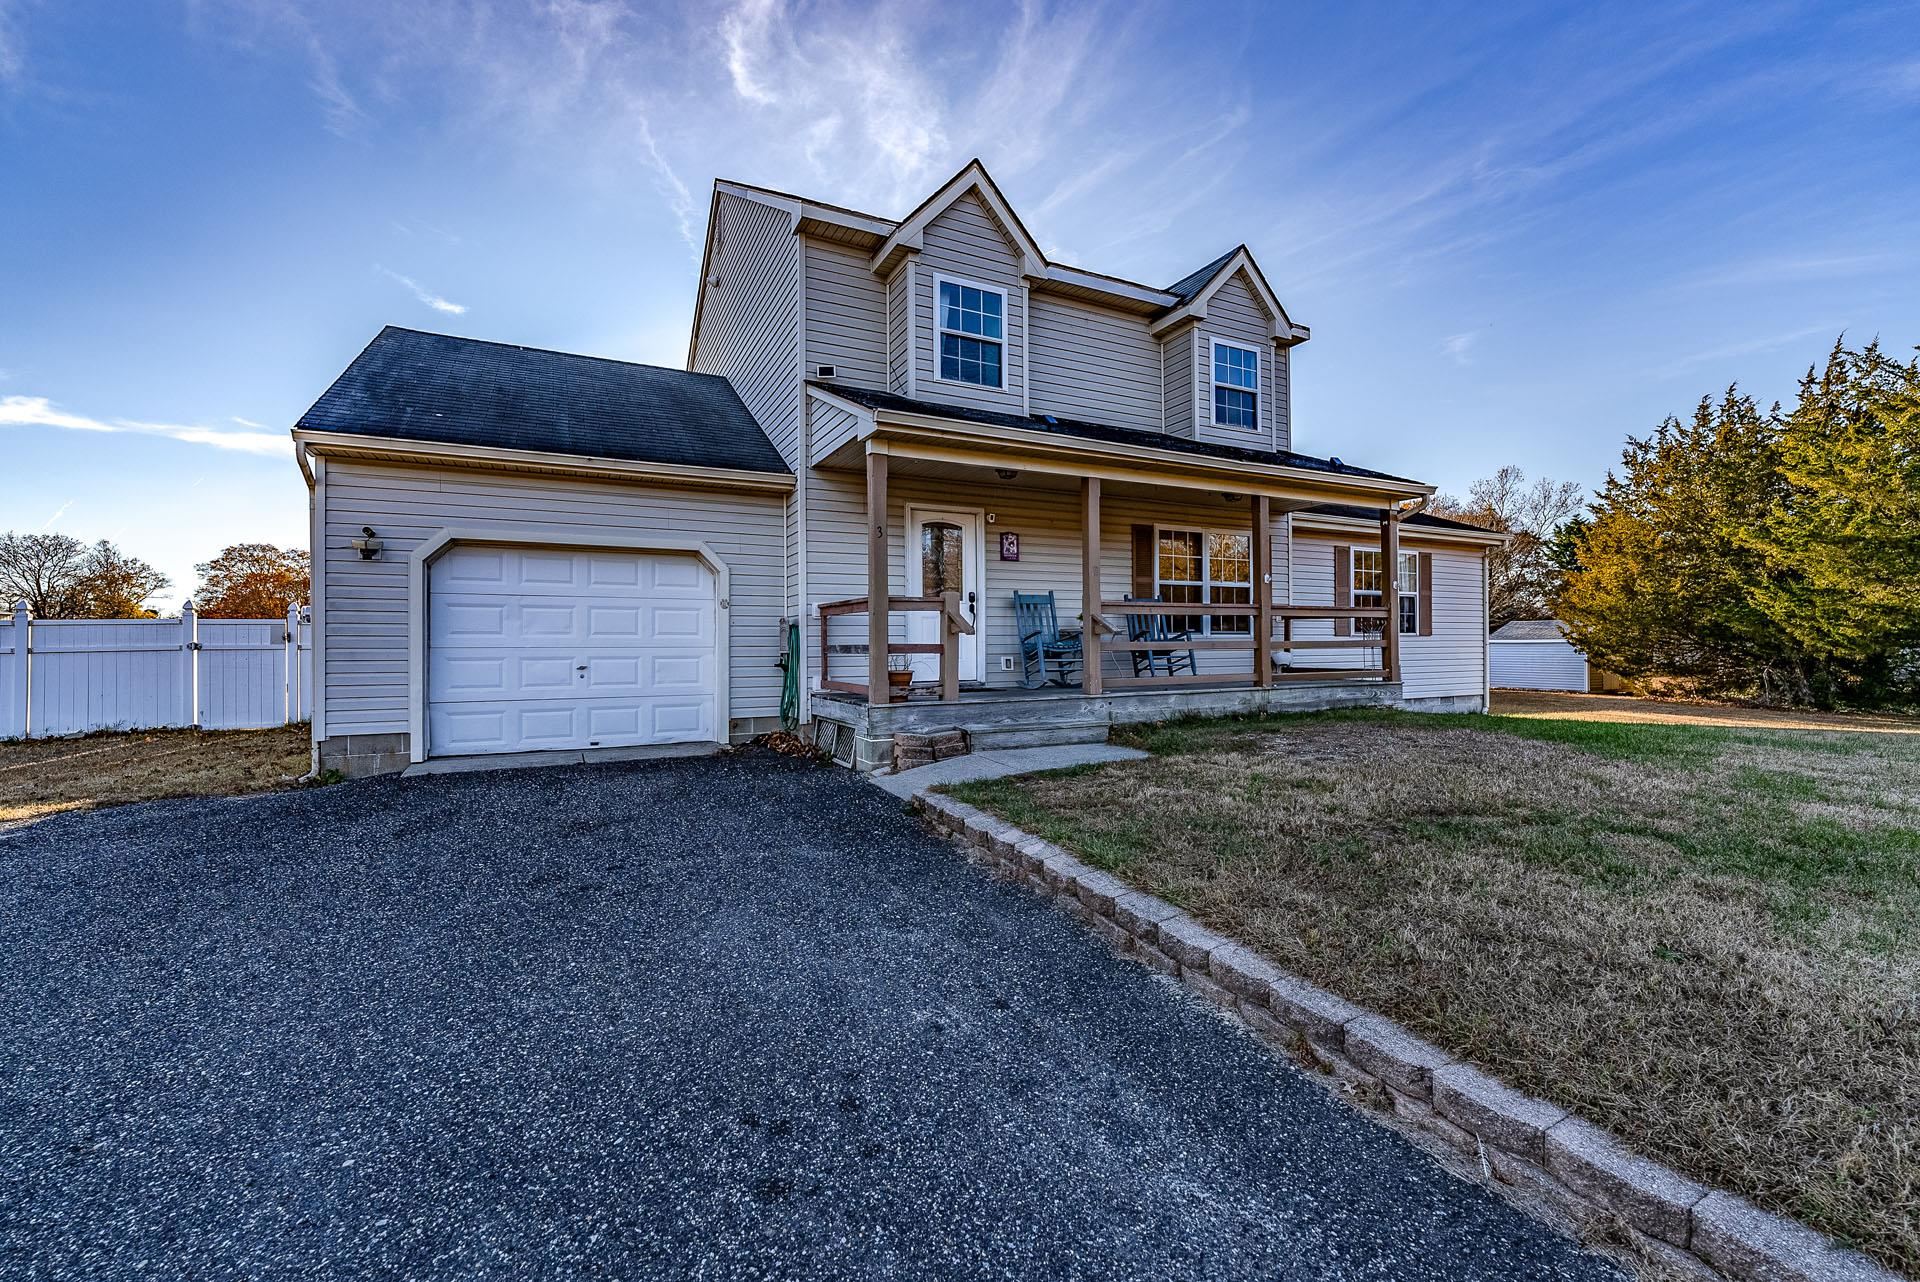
(1052, 425)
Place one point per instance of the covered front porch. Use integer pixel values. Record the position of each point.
(1178, 558)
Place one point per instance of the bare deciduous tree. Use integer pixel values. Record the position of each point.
(1521, 577)
(59, 577)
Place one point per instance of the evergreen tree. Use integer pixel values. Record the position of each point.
(1842, 536)
(1663, 572)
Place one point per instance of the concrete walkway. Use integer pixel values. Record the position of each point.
(996, 765)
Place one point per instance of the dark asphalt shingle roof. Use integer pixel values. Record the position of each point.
(1187, 286)
(1531, 630)
(875, 400)
(414, 386)
(1373, 514)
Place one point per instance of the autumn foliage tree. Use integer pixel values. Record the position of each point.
(1766, 552)
(59, 577)
(252, 581)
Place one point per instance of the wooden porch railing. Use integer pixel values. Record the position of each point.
(953, 626)
(1282, 638)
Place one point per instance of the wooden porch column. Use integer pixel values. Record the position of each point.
(1262, 593)
(1390, 592)
(877, 603)
(1090, 584)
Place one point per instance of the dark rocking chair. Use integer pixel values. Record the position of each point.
(1157, 627)
(1047, 654)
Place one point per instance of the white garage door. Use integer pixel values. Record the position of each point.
(1538, 665)
(537, 648)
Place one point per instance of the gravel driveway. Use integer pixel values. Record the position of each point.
(727, 1018)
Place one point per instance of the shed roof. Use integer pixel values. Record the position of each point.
(1531, 630)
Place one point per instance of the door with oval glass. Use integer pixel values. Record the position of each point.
(945, 554)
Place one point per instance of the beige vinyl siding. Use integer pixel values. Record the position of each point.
(1236, 315)
(1447, 664)
(899, 329)
(967, 243)
(1282, 396)
(1091, 363)
(748, 330)
(1176, 354)
(1048, 523)
(830, 427)
(846, 315)
(365, 605)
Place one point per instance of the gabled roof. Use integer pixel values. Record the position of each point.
(1200, 287)
(1187, 286)
(1054, 425)
(972, 178)
(414, 386)
(1531, 630)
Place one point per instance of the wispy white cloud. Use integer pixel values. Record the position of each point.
(57, 514)
(39, 411)
(247, 422)
(13, 55)
(422, 293)
(743, 29)
(1458, 347)
(1748, 347)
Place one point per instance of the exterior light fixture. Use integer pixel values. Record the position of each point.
(1005, 473)
(368, 546)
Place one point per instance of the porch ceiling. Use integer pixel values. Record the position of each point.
(977, 475)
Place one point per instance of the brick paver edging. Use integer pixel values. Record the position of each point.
(1578, 1170)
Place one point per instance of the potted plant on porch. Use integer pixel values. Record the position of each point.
(899, 676)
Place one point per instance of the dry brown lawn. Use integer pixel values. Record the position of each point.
(1556, 705)
(40, 777)
(1704, 938)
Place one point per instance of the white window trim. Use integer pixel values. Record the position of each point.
(939, 328)
(1213, 364)
(1207, 581)
(1353, 577)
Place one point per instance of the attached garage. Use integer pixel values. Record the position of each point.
(517, 550)
(1534, 654)
(555, 648)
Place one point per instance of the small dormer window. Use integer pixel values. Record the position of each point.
(1236, 385)
(972, 328)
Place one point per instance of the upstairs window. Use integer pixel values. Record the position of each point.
(1236, 385)
(1367, 589)
(972, 321)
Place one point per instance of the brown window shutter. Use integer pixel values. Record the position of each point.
(1426, 594)
(1144, 551)
(1342, 587)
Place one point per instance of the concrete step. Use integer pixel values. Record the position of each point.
(987, 738)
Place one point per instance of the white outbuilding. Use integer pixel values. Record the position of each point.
(1534, 654)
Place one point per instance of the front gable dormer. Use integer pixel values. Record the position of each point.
(958, 267)
(1225, 350)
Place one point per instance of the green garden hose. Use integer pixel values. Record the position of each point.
(790, 688)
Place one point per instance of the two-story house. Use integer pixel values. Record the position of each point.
(904, 459)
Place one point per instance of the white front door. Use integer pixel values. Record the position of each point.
(945, 554)
(543, 648)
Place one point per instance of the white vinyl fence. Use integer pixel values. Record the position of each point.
(69, 676)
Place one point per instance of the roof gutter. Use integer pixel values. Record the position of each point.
(387, 449)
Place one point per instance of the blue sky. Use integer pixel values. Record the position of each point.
(1519, 232)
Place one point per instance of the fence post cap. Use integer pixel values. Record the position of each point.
(21, 607)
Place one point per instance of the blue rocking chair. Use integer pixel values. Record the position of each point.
(1047, 654)
(1156, 627)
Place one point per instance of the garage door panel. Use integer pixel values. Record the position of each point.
(534, 649)
(607, 623)
(692, 624)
